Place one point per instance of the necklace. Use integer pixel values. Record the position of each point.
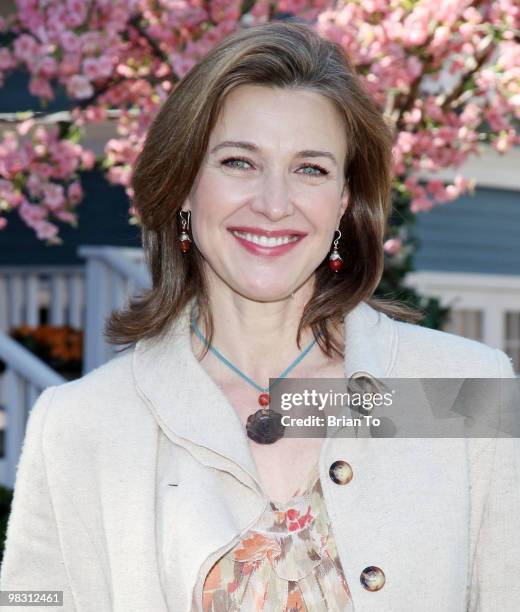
(265, 425)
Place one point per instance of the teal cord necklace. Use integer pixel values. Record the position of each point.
(264, 426)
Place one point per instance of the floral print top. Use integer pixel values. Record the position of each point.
(287, 563)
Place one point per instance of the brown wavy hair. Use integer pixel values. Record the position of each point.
(276, 54)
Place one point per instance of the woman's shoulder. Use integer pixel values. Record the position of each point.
(112, 377)
(436, 353)
(99, 397)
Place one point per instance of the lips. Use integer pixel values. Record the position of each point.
(264, 232)
(267, 242)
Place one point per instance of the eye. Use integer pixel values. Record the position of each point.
(237, 162)
(230, 162)
(320, 169)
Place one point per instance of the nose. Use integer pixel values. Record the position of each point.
(273, 199)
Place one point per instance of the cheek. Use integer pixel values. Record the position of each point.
(209, 204)
(216, 198)
(321, 210)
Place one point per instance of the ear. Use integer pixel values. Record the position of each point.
(343, 202)
(186, 205)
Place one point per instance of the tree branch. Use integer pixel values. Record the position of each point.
(459, 89)
(135, 22)
(53, 117)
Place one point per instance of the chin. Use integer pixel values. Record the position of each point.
(265, 292)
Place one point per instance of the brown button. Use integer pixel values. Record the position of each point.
(372, 578)
(340, 472)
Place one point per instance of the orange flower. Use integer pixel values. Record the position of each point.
(23, 330)
(255, 547)
(62, 341)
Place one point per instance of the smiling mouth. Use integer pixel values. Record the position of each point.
(265, 241)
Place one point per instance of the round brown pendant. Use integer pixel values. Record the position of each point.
(265, 426)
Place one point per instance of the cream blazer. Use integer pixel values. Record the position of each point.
(134, 479)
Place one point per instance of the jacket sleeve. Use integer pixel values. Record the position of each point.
(498, 547)
(32, 555)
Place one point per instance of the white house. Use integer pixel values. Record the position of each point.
(470, 254)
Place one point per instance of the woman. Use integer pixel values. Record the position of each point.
(163, 479)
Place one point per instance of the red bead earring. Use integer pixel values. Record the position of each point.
(185, 237)
(335, 259)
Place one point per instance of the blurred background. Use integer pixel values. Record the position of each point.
(80, 82)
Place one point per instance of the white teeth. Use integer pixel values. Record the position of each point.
(264, 240)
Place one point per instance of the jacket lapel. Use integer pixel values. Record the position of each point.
(188, 405)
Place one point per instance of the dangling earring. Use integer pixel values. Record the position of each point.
(335, 259)
(184, 237)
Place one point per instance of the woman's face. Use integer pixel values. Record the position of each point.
(269, 194)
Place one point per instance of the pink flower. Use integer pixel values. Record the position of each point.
(46, 68)
(25, 47)
(421, 204)
(88, 159)
(91, 42)
(34, 185)
(69, 41)
(120, 174)
(405, 141)
(31, 213)
(74, 192)
(413, 117)
(435, 187)
(392, 245)
(24, 127)
(97, 68)
(53, 196)
(506, 140)
(67, 216)
(40, 88)
(440, 37)
(452, 192)
(42, 169)
(471, 115)
(80, 87)
(76, 13)
(46, 231)
(70, 65)
(7, 59)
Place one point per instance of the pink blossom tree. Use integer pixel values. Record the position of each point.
(446, 73)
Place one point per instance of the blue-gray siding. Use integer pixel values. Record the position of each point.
(479, 234)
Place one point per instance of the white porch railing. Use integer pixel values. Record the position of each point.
(79, 296)
(24, 379)
(25, 292)
(113, 274)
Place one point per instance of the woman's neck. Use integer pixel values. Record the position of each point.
(259, 338)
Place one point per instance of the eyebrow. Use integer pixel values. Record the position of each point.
(249, 146)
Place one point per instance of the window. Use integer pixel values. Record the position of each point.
(512, 338)
(467, 323)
